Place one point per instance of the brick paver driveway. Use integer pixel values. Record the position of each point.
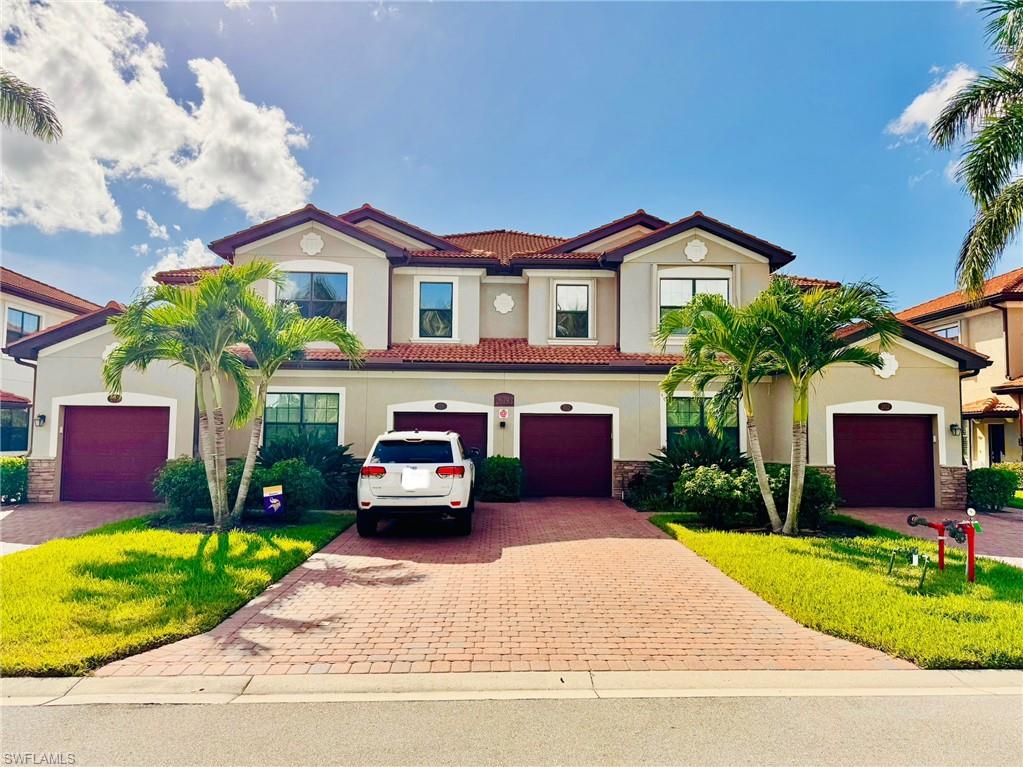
(24, 526)
(556, 584)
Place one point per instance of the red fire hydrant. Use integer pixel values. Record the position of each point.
(963, 531)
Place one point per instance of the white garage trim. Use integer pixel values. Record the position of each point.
(453, 406)
(899, 407)
(339, 390)
(706, 395)
(578, 408)
(99, 399)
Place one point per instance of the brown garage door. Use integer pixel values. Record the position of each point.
(472, 427)
(112, 453)
(884, 460)
(566, 454)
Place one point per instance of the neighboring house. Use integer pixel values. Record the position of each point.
(28, 306)
(528, 345)
(992, 398)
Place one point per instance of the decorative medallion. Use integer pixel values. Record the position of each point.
(889, 367)
(311, 244)
(504, 303)
(109, 350)
(696, 250)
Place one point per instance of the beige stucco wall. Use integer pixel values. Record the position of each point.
(604, 304)
(513, 324)
(368, 280)
(15, 378)
(467, 303)
(749, 275)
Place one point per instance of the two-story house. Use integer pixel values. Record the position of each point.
(27, 306)
(992, 398)
(528, 345)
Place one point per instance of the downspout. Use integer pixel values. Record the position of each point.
(1005, 335)
(31, 421)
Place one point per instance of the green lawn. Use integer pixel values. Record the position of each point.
(840, 586)
(71, 605)
(1017, 502)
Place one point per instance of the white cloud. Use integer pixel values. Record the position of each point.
(383, 12)
(142, 249)
(156, 231)
(917, 118)
(914, 180)
(235, 5)
(273, 13)
(104, 76)
(191, 253)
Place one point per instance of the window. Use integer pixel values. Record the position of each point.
(318, 294)
(687, 413)
(14, 429)
(951, 332)
(293, 414)
(571, 311)
(20, 324)
(420, 451)
(436, 309)
(676, 292)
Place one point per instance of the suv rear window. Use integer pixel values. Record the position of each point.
(425, 451)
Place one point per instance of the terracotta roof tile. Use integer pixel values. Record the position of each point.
(807, 283)
(34, 290)
(1008, 283)
(1012, 385)
(990, 406)
(504, 242)
(7, 399)
(184, 276)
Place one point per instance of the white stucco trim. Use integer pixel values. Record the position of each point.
(907, 344)
(453, 406)
(899, 407)
(569, 274)
(442, 277)
(339, 390)
(590, 283)
(89, 335)
(99, 399)
(439, 271)
(578, 408)
(706, 395)
(702, 234)
(503, 280)
(312, 226)
(308, 265)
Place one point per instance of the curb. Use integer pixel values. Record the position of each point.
(71, 691)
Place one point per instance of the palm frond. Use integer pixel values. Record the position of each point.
(1005, 25)
(992, 157)
(993, 229)
(27, 109)
(985, 96)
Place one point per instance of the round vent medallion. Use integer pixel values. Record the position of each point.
(696, 250)
(890, 364)
(884, 407)
(503, 303)
(311, 244)
(441, 406)
(566, 408)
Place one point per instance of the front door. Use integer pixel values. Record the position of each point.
(996, 442)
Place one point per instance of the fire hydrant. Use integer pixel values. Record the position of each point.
(962, 531)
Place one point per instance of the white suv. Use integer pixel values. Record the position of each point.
(416, 473)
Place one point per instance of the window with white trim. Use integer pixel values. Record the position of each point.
(20, 324)
(572, 309)
(436, 309)
(951, 332)
(677, 292)
(302, 414)
(14, 423)
(688, 414)
(318, 294)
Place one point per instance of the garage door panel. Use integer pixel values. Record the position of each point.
(884, 460)
(112, 453)
(472, 427)
(567, 455)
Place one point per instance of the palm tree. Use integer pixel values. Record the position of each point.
(276, 333)
(28, 109)
(990, 109)
(805, 340)
(729, 346)
(194, 326)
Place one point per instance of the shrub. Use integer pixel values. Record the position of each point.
(181, 484)
(693, 448)
(819, 496)
(303, 487)
(500, 479)
(990, 489)
(14, 479)
(718, 498)
(1016, 468)
(340, 469)
(647, 494)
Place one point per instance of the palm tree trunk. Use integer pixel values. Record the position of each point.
(797, 471)
(219, 453)
(205, 448)
(757, 454)
(253, 451)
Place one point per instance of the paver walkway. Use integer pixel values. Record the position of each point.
(554, 584)
(22, 527)
(1002, 534)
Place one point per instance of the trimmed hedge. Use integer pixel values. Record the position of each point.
(1016, 468)
(500, 479)
(14, 479)
(990, 489)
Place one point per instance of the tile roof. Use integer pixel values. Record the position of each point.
(1002, 285)
(34, 290)
(1012, 385)
(807, 283)
(184, 276)
(28, 346)
(7, 399)
(367, 211)
(504, 242)
(990, 406)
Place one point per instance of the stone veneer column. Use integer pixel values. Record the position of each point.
(952, 485)
(623, 472)
(829, 470)
(42, 480)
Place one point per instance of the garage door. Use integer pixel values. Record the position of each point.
(112, 453)
(566, 454)
(472, 427)
(884, 460)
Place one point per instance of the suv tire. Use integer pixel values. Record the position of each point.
(463, 522)
(366, 523)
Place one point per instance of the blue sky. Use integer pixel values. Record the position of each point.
(550, 118)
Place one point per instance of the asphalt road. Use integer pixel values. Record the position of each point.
(862, 731)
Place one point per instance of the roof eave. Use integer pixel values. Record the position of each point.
(28, 348)
(993, 300)
(55, 303)
(969, 361)
(409, 230)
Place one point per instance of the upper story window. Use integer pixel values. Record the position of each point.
(572, 310)
(951, 332)
(676, 292)
(318, 294)
(436, 302)
(20, 324)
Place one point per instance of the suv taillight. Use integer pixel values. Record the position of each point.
(373, 471)
(450, 471)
